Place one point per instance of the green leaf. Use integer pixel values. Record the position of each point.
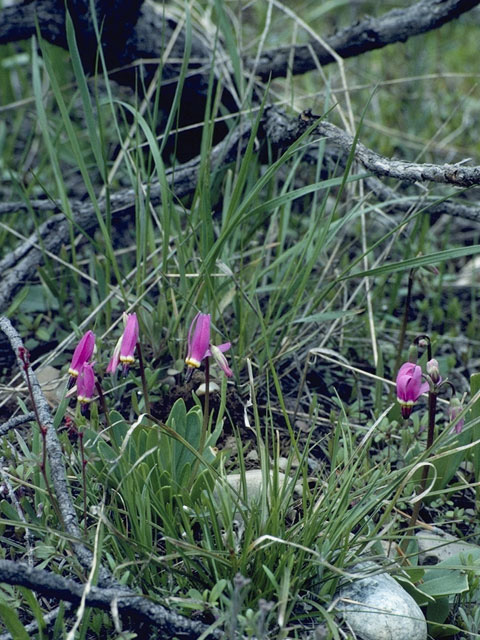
(13, 624)
(438, 611)
(17, 301)
(414, 263)
(473, 415)
(444, 582)
(34, 606)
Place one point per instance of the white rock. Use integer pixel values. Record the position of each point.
(253, 483)
(437, 545)
(52, 384)
(377, 608)
(212, 386)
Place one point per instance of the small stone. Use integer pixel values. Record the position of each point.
(253, 480)
(377, 608)
(50, 380)
(213, 386)
(253, 483)
(437, 545)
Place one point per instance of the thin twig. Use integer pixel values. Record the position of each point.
(16, 421)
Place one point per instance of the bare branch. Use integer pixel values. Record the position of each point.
(53, 585)
(29, 538)
(455, 174)
(130, 31)
(445, 207)
(15, 422)
(54, 449)
(33, 205)
(370, 33)
(277, 129)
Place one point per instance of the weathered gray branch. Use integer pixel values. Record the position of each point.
(131, 31)
(366, 35)
(277, 129)
(458, 175)
(15, 422)
(55, 586)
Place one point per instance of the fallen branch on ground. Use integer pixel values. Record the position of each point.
(52, 585)
(15, 422)
(277, 129)
(366, 35)
(142, 24)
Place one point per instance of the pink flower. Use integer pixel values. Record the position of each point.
(199, 346)
(85, 384)
(198, 340)
(115, 359)
(82, 354)
(129, 340)
(125, 347)
(409, 387)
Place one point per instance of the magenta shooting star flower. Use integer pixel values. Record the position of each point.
(125, 347)
(129, 340)
(199, 347)
(409, 386)
(198, 340)
(85, 385)
(82, 354)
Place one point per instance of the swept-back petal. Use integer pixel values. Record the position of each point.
(82, 354)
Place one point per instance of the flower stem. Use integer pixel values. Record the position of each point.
(432, 408)
(206, 408)
(203, 433)
(144, 380)
(403, 326)
(84, 480)
(103, 404)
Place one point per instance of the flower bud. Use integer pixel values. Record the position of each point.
(434, 371)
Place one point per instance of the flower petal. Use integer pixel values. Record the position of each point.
(82, 354)
(198, 339)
